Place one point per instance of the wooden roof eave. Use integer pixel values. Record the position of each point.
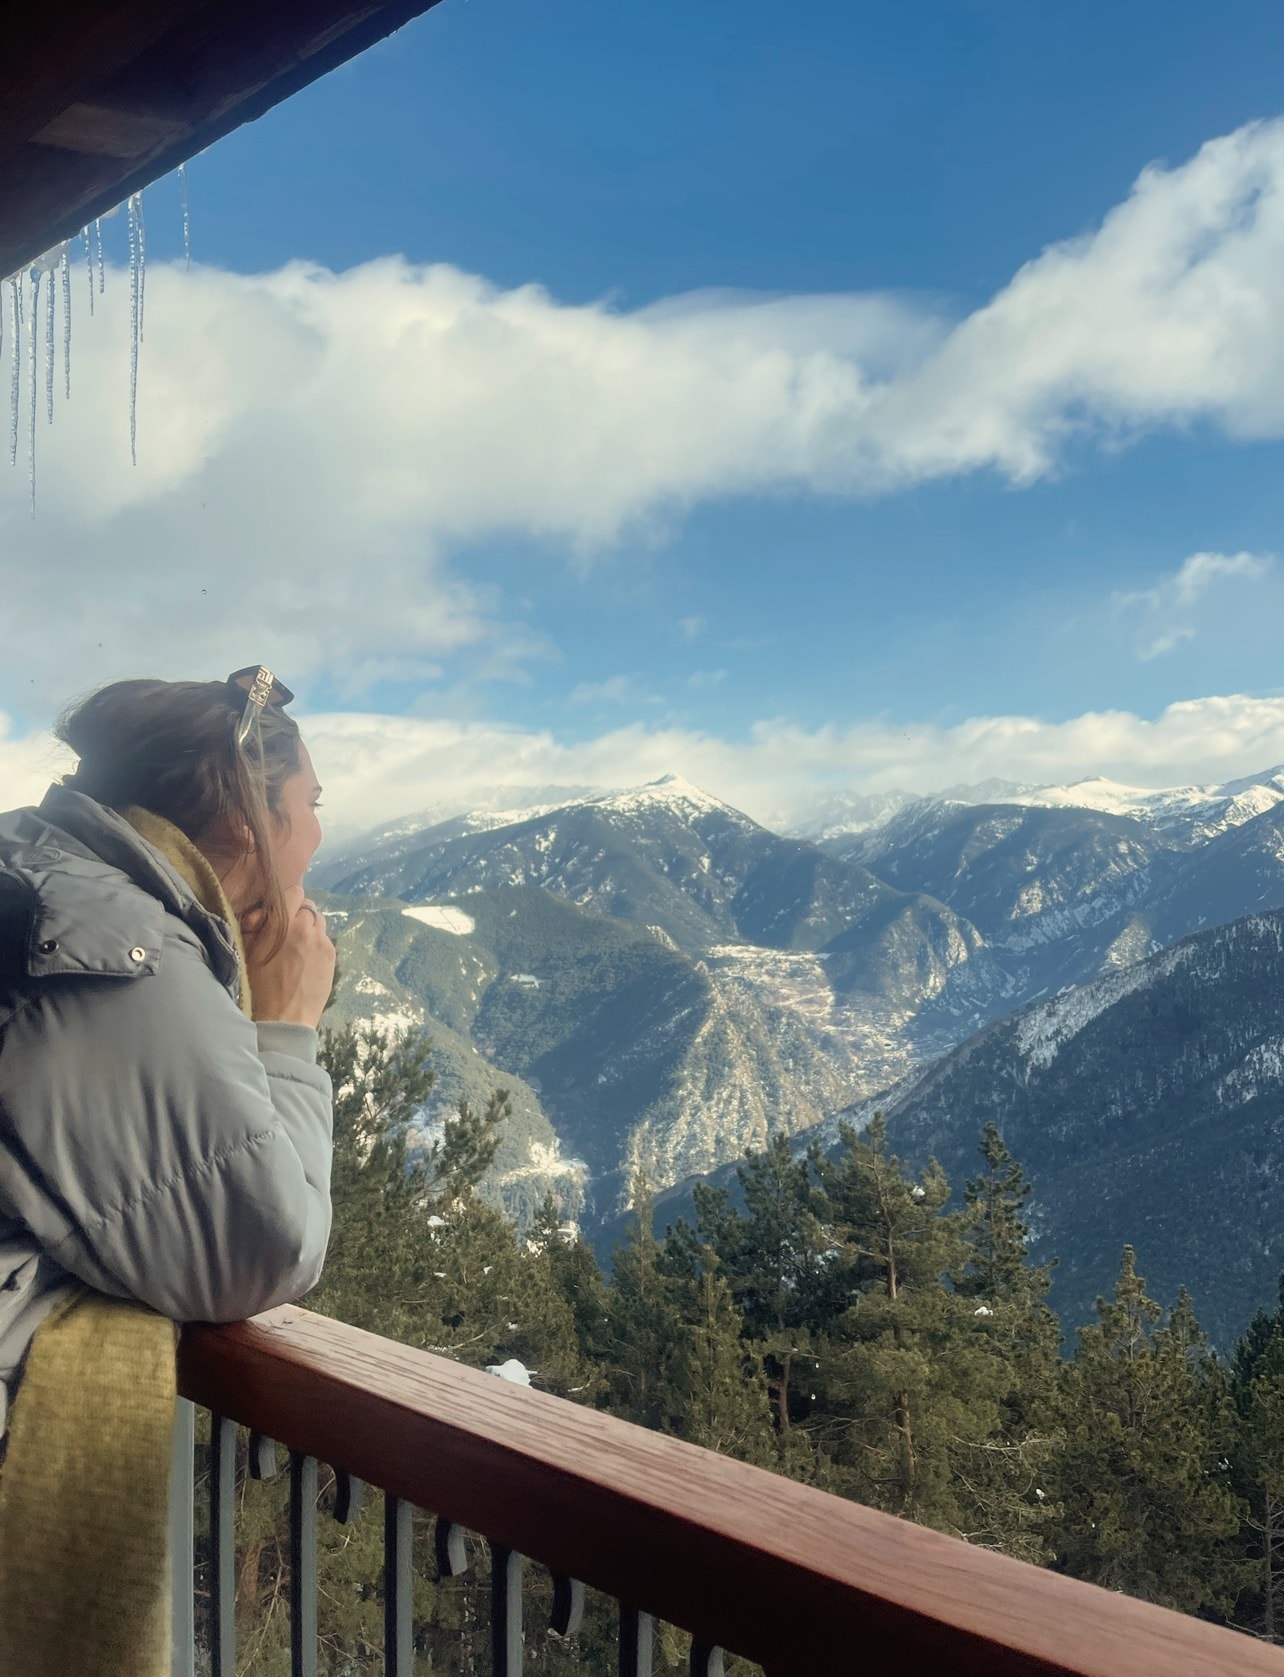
(98, 98)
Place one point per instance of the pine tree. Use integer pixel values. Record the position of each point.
(643, 1325)
(1002, 1475)
(907, 1370)
(467, 1146)
(1142, 1482)
(773, 1258)
(574, 1274)
(1257, 1386)
(380, 1084)
(719, 1393)
(999, 1273)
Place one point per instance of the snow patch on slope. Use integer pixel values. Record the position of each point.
(1262, 1066)
(1044, 1031)
(443, 918)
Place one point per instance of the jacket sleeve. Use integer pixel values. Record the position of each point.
(161, 1146)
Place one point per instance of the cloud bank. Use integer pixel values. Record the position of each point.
(376, 768)
(316, 450)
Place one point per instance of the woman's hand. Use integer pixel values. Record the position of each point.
(294, 986)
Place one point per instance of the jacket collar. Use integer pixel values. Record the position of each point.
(111, 838)
(108, 837)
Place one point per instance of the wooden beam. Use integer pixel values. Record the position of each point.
(798, 1580)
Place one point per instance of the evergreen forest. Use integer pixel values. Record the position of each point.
(846, 1322)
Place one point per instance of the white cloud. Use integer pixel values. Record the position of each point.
(376, 768)
(1164, 617)
(313, 447)
(28, 764)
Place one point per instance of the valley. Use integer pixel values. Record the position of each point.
(663, 984)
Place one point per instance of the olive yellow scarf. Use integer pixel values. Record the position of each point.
(84, 1491)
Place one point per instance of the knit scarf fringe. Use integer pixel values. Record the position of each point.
(84, 1491)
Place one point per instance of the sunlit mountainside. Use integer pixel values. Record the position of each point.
(663, 982)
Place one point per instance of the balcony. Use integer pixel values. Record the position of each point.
(789, 1577)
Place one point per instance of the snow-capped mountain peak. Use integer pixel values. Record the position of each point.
(1196, 813)
(672, 793)
(1184, 815)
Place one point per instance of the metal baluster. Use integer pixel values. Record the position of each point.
(349, 1497)
(637, 1642)
(303, 1565)
(182, 1539)
(262, 1457)
(222, 1547)
(706, 1660)
(398, 1588)
(452, 1552)
(568, 1606)
(505, 1611)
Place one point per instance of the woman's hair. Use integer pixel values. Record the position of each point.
(171, 747)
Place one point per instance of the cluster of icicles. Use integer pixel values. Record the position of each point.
(30, 311)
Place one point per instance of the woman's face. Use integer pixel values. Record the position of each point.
(297, 829)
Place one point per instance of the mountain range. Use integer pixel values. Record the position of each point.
(663, 982)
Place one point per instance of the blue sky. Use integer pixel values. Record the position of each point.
(624, 156)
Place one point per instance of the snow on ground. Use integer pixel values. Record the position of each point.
(1193, 813)
(1204, 811)
(443, 918)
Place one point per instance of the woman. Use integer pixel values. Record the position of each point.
(165, 1131)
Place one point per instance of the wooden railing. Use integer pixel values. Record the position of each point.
(790, 1577)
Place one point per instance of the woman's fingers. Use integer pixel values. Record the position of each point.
(294, 984)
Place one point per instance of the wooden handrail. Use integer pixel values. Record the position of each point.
(796, 1579)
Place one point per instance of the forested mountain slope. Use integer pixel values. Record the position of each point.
(1147, 1107)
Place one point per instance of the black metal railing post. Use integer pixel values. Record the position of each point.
(637, 1642)
(182, 1541)
(222, 1547)
(398, 1589)
(303, 1565)
(505, 1611)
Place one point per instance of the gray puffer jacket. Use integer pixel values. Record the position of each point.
(154, 1142)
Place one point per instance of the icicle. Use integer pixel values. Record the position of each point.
(89, 266)
(65, 266)
(15, 366)
(32, 324)
(50, 344)
(187, 220)
(135, 323)
(102, 276)
(142, 262)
